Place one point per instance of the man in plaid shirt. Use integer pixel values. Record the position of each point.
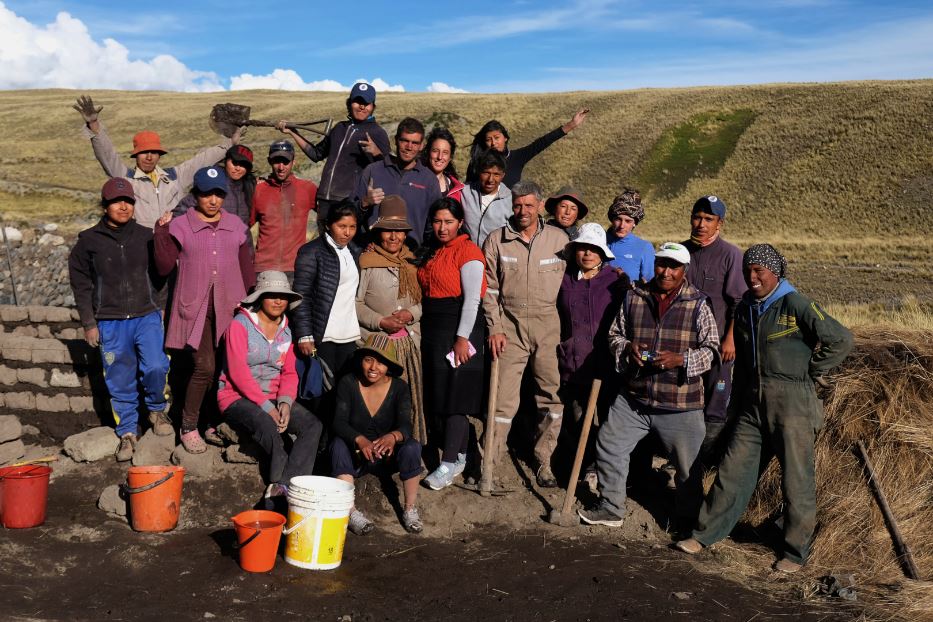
(663, 340)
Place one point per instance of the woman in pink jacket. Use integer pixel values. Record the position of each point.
(259, 384)
(208, 248)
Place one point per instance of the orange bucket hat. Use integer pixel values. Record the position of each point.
(147, 141)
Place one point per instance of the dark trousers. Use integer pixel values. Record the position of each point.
(283, 465)
(406, 460)
(203, 374)
(337, 356)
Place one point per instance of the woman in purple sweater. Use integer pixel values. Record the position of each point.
(209, 248)
(590, 295)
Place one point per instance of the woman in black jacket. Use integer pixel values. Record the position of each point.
(327, 275)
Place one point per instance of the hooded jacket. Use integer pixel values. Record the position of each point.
(281, 208)
(345, 159)
(478, 223)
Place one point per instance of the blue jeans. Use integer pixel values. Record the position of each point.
(133, 352)
(627, 423)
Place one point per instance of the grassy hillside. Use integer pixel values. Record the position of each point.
(848, 164)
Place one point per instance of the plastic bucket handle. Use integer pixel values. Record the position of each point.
(239, 545)
(132, 491)
(23, 473)
(288, 530)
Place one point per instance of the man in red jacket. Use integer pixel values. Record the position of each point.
(281, 205)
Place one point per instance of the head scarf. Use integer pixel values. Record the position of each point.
(627, 204)
(767, 256)
(407, 272)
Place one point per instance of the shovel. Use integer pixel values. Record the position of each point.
(226, 118)
(564, 518)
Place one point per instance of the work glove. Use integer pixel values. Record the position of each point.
(85, 107)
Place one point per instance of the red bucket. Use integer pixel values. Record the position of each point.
(24, 495)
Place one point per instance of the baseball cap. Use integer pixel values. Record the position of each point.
(117, 188)
(363, 91)
(710, 204)
(283, 149)
(675, 251)
(241, 154)
(210, 178)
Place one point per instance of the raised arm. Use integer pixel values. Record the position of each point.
(103, 147)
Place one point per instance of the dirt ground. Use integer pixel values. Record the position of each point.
(479, 558)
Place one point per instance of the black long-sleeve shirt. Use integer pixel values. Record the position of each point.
(352, 418)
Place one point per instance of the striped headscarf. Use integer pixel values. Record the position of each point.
(627, 204)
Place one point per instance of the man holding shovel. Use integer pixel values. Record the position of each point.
(158, 190)
(524, 270)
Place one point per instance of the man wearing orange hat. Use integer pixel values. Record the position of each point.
(157, 189)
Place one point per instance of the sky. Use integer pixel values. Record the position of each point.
(478, 46)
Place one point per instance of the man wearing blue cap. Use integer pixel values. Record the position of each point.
(351, 146)
(715, 270)
(281, 205)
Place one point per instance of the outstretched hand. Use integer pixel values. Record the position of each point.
(576, 120)
(85, 107)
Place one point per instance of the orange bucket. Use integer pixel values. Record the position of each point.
(258, 533)
(155, 496)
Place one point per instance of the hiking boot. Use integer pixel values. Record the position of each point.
(787, 566)
(690, 546)
(193, 443)
(160, 422)
(600, 515)
(442, 477)
(411, 520)
(545, 477)
(127, 447)
(359, 524)
(460, 464)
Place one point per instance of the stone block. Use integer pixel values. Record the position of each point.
(30, 430)
(226, 431)
(10, 428)
(44, 332)
(26, 331)
(2, 400)
(39, 314)
(64, 379)
(153, 450)
(12, 451)
(15, 353)
(57, 403)
(112, 502)
(22, 400)
(81, 404)
(91, 445)
(204, 465)
(32, 375)
(68, 334)
(247, 453)
(50, 356)
(7, 376)
(9, 313)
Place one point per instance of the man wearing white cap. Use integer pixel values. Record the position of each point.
(662, 341)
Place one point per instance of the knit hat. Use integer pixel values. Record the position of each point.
(117, 188)
(592, 234)
(570, 194)
(675, 251)
(147, 141)
(767, 256)
(627, 204)
(382, 348)
(363, 91)
(710, 204)
(210, 178)
(273, 282)
(393, 214)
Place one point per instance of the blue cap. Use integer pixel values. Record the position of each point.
(282, 149)
(363, 91)
(210, 178)
(710, 204)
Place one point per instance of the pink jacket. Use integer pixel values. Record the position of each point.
(256, 369)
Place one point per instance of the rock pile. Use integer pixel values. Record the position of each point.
(40, 267)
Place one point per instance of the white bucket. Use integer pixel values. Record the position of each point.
(318, 513)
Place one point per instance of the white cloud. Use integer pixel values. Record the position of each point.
(382, 86)
(283, 80)
(441, 87)
(63, 55)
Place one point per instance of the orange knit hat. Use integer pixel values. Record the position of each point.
(147, 141)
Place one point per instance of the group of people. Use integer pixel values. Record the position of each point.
(379, 335)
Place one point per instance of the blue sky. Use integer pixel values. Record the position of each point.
(478, 46)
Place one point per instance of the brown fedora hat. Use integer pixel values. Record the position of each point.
(393, 214)
(567, 193)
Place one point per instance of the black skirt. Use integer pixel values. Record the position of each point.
(449, 391)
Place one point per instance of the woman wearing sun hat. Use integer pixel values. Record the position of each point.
(259, 384)
(372, 428)
(388, 301)
(566, 209)
(589, 298)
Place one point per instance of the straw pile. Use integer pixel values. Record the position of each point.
(883, 395)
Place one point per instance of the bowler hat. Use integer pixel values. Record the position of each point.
(393, 214)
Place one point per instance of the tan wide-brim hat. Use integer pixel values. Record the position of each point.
(571, 194)
(273, 282)
(393, 214)
(383, 349)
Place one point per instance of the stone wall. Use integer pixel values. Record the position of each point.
(48, 373)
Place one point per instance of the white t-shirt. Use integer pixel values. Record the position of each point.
(342, 323)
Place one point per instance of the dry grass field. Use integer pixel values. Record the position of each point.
(839, 176)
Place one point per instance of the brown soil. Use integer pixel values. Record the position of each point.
(479, 558)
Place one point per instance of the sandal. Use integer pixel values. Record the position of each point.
(193, 443)
(213, 437)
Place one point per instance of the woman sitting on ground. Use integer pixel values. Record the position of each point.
(372, 429)
(438, 155)
(388, 301)
(258, 385)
